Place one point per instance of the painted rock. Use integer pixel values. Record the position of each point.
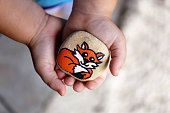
(83, 56)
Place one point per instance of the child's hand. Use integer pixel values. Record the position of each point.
(43, 48)
(103, 28)
(25, 25)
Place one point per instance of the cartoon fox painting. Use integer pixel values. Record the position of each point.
(79, 62)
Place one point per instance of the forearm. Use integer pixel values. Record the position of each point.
(21, 20)
(97, 7)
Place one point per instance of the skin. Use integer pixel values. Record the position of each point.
(26, 22)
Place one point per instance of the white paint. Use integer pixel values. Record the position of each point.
(78, 56)
(90, 65)
(79, 68)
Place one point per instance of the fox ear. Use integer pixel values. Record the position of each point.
(100, 56)
(84, 46)
(78, 47)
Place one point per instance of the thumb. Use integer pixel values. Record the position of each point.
(118, 54)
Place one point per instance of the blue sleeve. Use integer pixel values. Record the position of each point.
(50, 3)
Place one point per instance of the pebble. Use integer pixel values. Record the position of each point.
(83, 56)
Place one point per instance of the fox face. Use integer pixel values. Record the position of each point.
(87, 58)
(79, 62)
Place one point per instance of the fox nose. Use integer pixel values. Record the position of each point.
(85, 61)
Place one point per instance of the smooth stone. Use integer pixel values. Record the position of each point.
(83, 56)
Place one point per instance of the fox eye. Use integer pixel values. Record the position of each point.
(84, 54)
(91, 58)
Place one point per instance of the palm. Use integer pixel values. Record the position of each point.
(106, 31)
(43, 52)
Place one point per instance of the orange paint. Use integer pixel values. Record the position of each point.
(79, 62)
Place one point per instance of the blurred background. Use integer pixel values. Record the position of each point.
(143, 85)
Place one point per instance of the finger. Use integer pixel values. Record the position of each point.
(69, 81)
(49, 76)
(97, 82)
(56, 84)
(78, 86)
(118, 54)
(60, 73)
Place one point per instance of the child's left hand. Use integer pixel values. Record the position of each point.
(103, 28)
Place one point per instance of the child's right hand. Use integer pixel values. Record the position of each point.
(43, 50)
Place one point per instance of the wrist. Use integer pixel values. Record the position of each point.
(37, 31)
(38, 19)
(79, 20)
(95, 7)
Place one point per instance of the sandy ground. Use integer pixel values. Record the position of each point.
(143, 85)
